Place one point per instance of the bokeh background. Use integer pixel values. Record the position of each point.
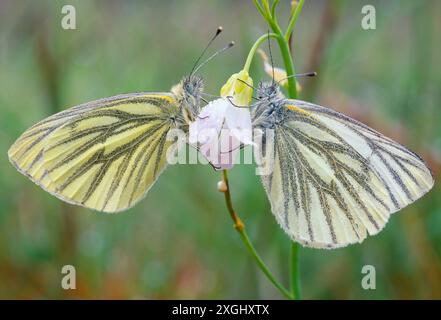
(179, 242)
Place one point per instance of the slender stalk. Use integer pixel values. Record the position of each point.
(266, 7)
(286, 54)
(293, 19)
(289, 66)
(260, 9)
(273, 8)
(240, 228)
(238, 224)
(263, 267)
(295, 272)
(254, 48)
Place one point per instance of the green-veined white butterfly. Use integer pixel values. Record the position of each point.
(334, 179)
(106, 154)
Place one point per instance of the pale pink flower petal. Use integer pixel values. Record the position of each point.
(219, 131)
(211, 117)
(238, 120)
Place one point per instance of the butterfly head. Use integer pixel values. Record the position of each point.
(192, 87)
(268, 109)
(188, 93)
(268, 91)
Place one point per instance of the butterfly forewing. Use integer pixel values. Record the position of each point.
(103, 155)
(336, 180)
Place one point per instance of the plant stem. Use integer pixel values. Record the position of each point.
(254, 48)
(263, 267)
(240, 228)
(238, 224)
(293, 20)
(273, 9)
(295, 272)
(289, 66)
(286, 56)
(260, 9)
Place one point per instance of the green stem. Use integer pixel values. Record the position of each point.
(262, 266)
(254, 48)
(295, 272)
(286, 56)
(293, 20)
(240, 228)
(289, 67)
(273, 9)
(260, 9)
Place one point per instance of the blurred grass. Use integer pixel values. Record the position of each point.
(179, 242)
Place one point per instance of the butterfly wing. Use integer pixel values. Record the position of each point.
(334, 179)
(104, 154)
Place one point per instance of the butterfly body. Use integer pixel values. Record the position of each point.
(334, 180)
(269, 111)
(188, 95)
(106, 154)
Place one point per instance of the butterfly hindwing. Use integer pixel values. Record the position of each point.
(103, 155)
(336, 180)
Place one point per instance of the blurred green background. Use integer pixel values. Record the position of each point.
(179, 241)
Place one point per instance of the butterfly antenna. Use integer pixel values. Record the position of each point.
(204, 100)
(247, 84)
(218, 31)
(299, 75)
(230, 98)
(210, 95)
(228, 46)
(270, 54)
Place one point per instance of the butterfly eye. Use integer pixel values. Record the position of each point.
(272, 90)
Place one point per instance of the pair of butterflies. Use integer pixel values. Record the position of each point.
(334, 179)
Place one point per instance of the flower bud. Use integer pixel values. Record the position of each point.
(236, 88)
(222, 186)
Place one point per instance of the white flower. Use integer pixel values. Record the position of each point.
(219, 131)
(224, 125)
